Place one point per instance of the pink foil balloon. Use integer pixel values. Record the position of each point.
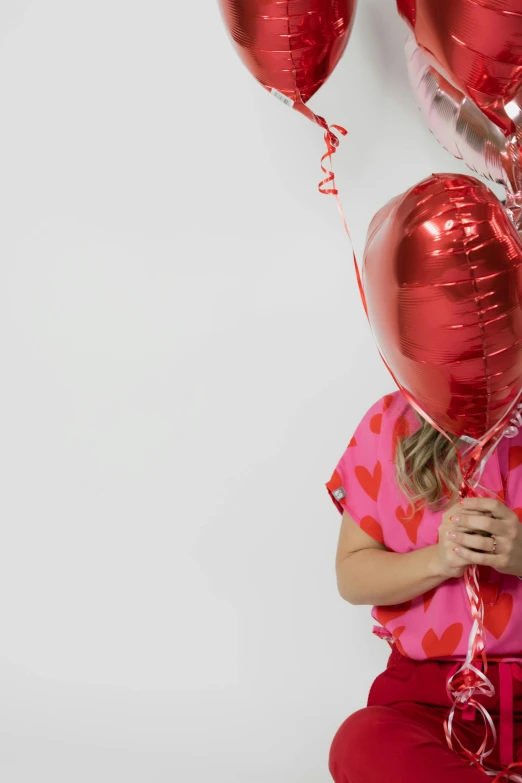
(461, 127)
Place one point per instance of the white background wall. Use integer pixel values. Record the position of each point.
(184, 358)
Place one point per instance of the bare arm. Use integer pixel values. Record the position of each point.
(367, 573)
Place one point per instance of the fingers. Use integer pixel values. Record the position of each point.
(489, 505)
(479, 522)
(468, 556)
(457, 510)
(473, 542)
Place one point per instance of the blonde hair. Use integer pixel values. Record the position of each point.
(427, 468)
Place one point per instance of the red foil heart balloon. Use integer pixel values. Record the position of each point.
(442, 277)
(291, 47)
(475, 45)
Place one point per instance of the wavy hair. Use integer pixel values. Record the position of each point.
(427, 468)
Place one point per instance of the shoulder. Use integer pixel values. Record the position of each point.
(368, 461)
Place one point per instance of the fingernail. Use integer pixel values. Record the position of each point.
(451, 534)
(458, 550)
(456, 518)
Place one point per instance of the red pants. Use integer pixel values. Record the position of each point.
(399, 737)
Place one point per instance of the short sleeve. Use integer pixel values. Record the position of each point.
(356, 482)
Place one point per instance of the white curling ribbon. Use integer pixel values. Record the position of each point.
(517, 419)
(514, 423)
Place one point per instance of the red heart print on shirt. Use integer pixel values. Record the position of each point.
(387, 401)
(385, 614)
(518, 512)
(488, 588)
(401, 429)
(352, 443)
(373, 528)
(375, 423)
(498, 615)
(515, 457)
(370, 482)
(410, 521)
(446, 645)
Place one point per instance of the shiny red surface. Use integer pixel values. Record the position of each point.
(442, 276)
(290, 45)
(476, 44)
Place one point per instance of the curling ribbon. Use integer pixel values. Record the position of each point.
(331, 140)
(468, 681)
(332, 143)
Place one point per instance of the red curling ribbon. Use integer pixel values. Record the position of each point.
(332, 143)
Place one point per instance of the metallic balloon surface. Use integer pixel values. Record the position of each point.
(476, 45)
(442, 276)
(293, 46)
(461, 127)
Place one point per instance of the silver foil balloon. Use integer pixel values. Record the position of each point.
(461, 127)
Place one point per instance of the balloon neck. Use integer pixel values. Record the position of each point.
(471, 441)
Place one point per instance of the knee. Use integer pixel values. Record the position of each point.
(354, 743)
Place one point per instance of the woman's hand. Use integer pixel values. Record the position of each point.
(500, 542)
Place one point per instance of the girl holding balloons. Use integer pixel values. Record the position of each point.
(430, 486)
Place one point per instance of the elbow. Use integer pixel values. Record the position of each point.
(347, 585)
(347, 590)
(349, 596)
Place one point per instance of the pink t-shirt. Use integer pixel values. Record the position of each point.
(437, 624)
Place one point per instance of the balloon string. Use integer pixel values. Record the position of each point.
(332, 143)
(331, 148)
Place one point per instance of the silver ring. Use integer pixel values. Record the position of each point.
(494, 550)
